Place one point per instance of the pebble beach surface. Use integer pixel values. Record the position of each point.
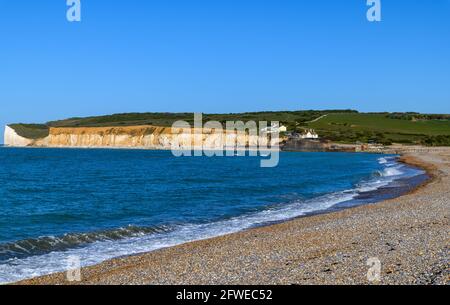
(408, 236)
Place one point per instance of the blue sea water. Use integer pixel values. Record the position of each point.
(100, 204)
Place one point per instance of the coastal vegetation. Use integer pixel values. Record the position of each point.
(31, 131)
(384, 128)
(167, 119)
(344, 126)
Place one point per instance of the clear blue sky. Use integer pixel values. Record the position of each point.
(221, 56)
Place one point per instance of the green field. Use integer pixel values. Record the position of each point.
(364, 127)
(345, 126)
(31, 131)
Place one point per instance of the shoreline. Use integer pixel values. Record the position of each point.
(105, 271)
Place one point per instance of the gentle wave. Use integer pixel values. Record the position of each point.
(15, 269)
(388, 172)
(47, 244)
(382, 160)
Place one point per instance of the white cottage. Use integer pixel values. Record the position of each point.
(274, 128)
(309, 134)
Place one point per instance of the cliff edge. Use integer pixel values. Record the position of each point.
(146, 136)
(11, 138)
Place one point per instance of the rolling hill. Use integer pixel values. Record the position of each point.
(344, 126)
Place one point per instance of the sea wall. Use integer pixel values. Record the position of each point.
(150, 137)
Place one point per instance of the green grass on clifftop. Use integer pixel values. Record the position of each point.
(382, 128)
(167, 119)
(31, 131)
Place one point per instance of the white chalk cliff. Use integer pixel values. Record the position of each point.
(150, 137)
(11, 138)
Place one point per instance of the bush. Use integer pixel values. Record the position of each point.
(440, 140)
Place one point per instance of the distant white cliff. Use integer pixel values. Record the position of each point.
(150, 137)
(11, 138)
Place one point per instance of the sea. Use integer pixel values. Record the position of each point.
(91, 205)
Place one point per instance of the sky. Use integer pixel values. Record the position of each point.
(221, 56)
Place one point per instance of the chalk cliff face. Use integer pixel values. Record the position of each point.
(151, 137)
(11, 138)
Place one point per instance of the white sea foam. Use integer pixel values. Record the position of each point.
(372, 185)
(392, 171)
(18, 269)
(382, 161)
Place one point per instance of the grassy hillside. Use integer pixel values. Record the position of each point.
(167, 119)
(345, 126)
(382, 128)
(31, 131)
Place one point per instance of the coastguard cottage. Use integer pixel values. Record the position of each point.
(309, 134)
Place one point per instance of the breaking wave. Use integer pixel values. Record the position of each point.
(47, 244)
